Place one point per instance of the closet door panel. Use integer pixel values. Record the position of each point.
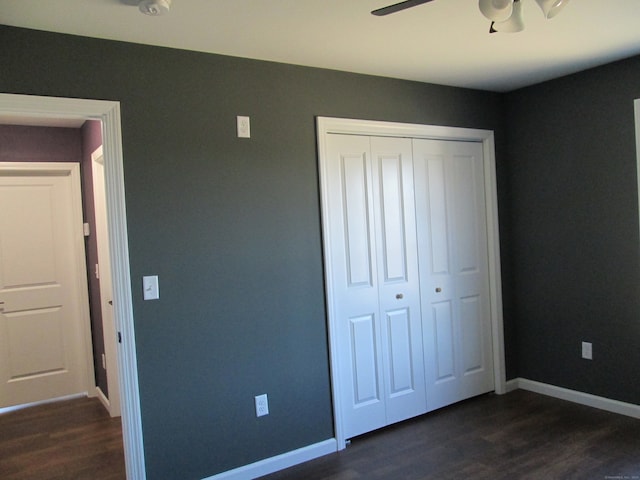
(364, 354)
(439, 325)
(471, 320)
(471, 267)
(443, 342)
(400, 352)
(357, 240)
(392, 224)
(441, 355)
(453, 253)
(354, 295)
(398, 277)
(468, 211)
(438, 232)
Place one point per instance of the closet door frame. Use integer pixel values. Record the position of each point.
(345, 126)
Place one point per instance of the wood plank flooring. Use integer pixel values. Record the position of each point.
(74, 439)
(521, 435)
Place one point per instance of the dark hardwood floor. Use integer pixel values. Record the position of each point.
(74, 439)
(521, 435)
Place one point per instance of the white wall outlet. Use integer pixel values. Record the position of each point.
(150, 287)
(244, 127)
(262, 405)
(587, 351)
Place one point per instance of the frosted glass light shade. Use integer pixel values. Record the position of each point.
(551, 8)
(515, 23)
(496, 10)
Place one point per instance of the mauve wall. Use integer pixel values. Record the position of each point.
(39, 144)
(91, 139)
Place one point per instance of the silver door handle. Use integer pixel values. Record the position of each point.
(399, 296)
(438, 289)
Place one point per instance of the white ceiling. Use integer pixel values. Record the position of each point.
(445, 41)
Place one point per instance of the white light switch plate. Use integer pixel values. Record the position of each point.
(244, 127)
(150, 287)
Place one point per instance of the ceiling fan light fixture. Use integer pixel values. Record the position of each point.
(551, 8)
(154, 8)
(496, 10)
(515, 23)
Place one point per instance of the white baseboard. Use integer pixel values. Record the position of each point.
(511, 385)
(43, 402)
(295, 457)
(279, 462)
(615, 406)
(103, 399)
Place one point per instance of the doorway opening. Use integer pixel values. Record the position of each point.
(32, 108)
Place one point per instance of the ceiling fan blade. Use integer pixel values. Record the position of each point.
(399, 6)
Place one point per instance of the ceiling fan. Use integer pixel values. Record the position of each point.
(398, 6)
(505, 15)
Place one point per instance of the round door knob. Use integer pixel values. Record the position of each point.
(438, 289)
(399, 296)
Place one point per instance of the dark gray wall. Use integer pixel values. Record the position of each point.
(574, 230)
(232, 228)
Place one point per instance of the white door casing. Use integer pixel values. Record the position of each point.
(328, 126)
(32, 107)
(636, 114)
(45, 339)
(106, 291)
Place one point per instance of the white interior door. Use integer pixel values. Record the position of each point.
(375, 294)
(43, 299)
(450, 206)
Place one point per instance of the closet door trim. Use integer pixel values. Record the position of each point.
(329, 125)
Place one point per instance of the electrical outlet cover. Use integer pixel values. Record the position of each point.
(262, 405)
(244, 126)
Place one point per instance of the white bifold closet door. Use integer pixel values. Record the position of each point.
(453, 257)
(375, 280)
(408, 262)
